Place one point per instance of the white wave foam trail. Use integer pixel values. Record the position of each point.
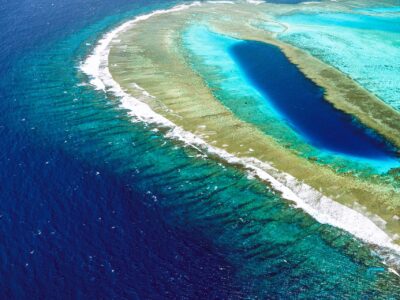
(95, 64)
(320, 207)
(221, 2)
(255, 2)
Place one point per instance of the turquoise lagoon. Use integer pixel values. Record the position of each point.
(241, 234)
(365, 47)
(259, 84)
(97, 206)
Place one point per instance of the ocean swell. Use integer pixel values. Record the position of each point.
(320, 207)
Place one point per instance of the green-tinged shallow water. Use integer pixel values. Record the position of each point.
(294, 124)
(265, 247)
(364, 46)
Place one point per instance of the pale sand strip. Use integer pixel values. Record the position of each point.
(154, 62)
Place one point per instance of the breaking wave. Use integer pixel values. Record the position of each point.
(320, 207)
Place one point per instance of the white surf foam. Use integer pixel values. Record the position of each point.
(221, 2)
(256, 2)
(320, 207)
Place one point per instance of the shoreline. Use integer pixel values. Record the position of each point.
(97, 68)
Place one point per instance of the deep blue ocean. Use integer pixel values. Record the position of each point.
(93, 206)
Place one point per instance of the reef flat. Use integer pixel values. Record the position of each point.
(337, 37)
(109, 196)
(150, 61)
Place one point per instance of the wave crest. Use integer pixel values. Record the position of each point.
(320, 207)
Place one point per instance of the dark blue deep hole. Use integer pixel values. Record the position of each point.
(301, 103)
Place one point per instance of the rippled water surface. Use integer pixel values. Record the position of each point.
(96, 206)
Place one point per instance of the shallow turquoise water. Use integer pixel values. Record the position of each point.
(274, 249)
(365, 47)
(354, 21)
(95, 206)
(394, 9)
(213, 59)
(301, 102)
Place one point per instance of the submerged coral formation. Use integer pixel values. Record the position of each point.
(175, 68)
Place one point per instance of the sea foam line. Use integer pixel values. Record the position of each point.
(255, 2)
(320, 207)
(220, 2)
